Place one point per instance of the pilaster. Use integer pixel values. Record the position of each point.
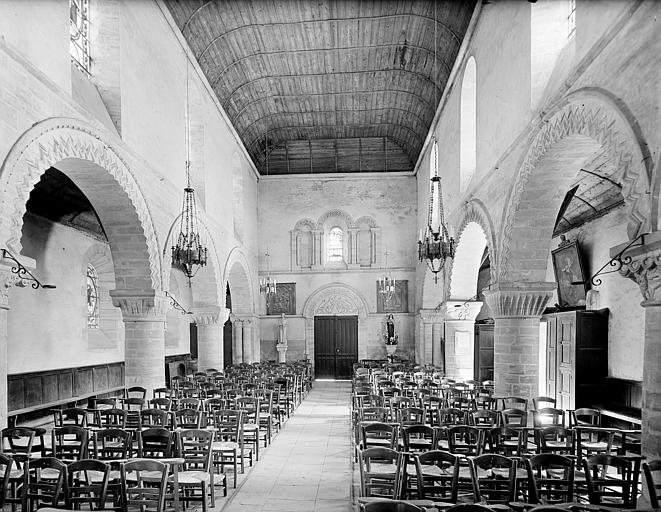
(209, 323)
(7, 281)
(143, 312)
(353, 248)
(316, 250)
(248, 355)
(237, 339)
(643, 266)
(460, 338)
(516, 309)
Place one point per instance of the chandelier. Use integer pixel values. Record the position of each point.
(189, 252)
(267, 285)
(386, 283)
(436, 245)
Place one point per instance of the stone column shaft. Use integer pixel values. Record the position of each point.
(7, 281)
(237, 338)
(248, 356)
(517, 308)
(143, 312)
(210, 337)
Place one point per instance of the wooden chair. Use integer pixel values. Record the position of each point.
(188, 418)
(543, 401)
(150, 418)
(162, 392)
(111, 418)
(612, 488)
(585, 417)
(650, 469)
(410, 416)
(377, 434)
(72, 416)
(380, 472)
(559, 440)
(514, 417)
(195, 449)
(43, 483)
(550, 479)
(464, 440)
(136, 392)
(494, 479)
(485, 418)
(87, 482)
(593, 441)
(155, 443)
(507, 441)
(437, 476)
(6, 468)
(144, 485)
(418, 438)
(162, 403)
(389, 506)
(548, 417)
(228, 447)
(514, 402)
(69, 443)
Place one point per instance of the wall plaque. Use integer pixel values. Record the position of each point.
(398, 303)
(283, 300)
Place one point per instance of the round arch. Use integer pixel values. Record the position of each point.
(475, 234)
(103, 173)
(237, 274)
(207, 286)
(582, 123)
(336, 299)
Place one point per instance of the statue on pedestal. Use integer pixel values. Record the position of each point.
(282, 339)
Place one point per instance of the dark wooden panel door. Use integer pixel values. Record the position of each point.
(335, 346)
(483, 356)
(551, 363)
(227, 344)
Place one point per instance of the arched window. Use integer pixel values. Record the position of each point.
(92, 298)
(335, 244)
(468, 147)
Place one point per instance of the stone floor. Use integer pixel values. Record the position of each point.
(308, 466)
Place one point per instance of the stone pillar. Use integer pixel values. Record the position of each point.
(377, 253)
(7, 280)
(460, 338)
(517, 308)
(293, 250)
(645, 270)
(143, 312)
(432, 350)
(210, 323)
(248, 356)
(353, 248)
(316, 250)
(237, 339)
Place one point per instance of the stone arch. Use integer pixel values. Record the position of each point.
(583, 122)
(237, 274)
(207, 285)
(306, 223)
(103, 173)
(335, 213)
(365, 220)
(336, 299)
(475, 234)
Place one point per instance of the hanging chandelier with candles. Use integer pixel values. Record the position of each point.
(386, 283)
(189, 254)
(436, 246)
(267, 284)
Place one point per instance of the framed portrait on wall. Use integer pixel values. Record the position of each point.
(569, 274)
(283, 300)
(398, 303)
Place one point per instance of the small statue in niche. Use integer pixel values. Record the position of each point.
(282, 330)
(390, 336)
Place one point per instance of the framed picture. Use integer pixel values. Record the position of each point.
(569, 275)
(283, 300)
(398, 303)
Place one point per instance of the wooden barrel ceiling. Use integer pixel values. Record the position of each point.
(326, 85)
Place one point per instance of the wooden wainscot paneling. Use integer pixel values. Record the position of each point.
(41, 390)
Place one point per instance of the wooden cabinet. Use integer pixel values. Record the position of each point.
(483, 363)
(576, 356)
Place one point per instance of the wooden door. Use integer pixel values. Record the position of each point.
(566, 340)
(483, 358)
(551, 363)
(335, 346)
(227, 344)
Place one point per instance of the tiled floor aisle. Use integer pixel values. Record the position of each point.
(308, 466)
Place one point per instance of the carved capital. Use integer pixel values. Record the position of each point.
(645, 270)
(432, 316)
(140, 305)
(512, 300)
(209, 315)
(462, 311)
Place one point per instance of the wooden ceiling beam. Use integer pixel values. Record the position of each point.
(446, 28)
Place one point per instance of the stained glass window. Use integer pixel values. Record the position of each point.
(335, 244)
(79, 42)
(92, 298)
